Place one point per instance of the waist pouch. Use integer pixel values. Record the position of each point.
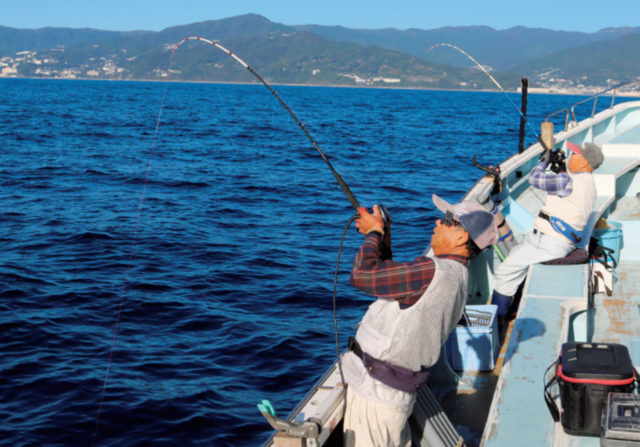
(582, 399)
(396, 377)
(562, 227)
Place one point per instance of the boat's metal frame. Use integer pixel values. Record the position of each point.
(595, 103)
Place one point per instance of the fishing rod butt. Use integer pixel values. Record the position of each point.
(546, 135)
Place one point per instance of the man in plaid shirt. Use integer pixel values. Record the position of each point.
(401, 334)
(561, 224)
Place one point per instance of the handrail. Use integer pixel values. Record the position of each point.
(566, 121)
(593, 111)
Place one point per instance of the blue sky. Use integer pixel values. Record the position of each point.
(121, 15)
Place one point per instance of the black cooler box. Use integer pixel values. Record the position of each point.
(586, 373)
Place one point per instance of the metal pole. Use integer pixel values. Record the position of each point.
(525, 90)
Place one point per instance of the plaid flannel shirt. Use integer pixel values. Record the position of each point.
(404, 282)
(560, 185)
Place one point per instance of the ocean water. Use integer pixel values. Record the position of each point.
(228, 298)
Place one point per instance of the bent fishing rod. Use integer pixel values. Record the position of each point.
(345, 188)
(542, 143)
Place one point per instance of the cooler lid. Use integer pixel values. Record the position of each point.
(596, 361)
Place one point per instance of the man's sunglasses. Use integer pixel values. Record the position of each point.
(448, 220)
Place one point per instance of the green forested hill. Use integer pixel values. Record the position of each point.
(286, 54)
(499, 49)
(598, 63)
(14, 40)
(281, 57)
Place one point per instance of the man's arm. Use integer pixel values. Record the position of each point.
(387, 278)
(555, 184)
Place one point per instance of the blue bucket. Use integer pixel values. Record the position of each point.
(611, 238)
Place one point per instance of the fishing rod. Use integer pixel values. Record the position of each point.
(345, 188)
(499, 86)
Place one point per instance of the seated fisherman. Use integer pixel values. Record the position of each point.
(560, 226)
(419, 303)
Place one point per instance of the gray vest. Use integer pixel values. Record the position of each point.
(410, 338)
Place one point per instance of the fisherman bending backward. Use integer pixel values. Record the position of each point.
(419, 303)
(560, 226)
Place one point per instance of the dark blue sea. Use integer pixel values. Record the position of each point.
(228, 299)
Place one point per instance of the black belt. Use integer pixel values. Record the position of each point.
(545, 216)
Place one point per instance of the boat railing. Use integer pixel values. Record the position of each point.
(566, 121)
(593, 110)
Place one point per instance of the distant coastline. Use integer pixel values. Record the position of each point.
(365, 87)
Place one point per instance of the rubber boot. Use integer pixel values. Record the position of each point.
(503, 302)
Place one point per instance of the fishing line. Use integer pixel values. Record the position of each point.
(335, 317)
(133, 244)
(499, 86)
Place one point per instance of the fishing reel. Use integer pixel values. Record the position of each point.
(386, 217)
(556, 160)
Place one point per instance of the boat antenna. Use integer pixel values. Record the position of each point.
(499, 86)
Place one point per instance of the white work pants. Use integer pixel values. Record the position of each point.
(536, 248)
(368, 423)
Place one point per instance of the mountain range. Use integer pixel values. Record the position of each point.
(502, 50)
(314, 54)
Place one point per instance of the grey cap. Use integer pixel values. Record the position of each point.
(475, 219)
(590, 151)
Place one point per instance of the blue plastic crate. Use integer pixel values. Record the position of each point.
(474, 348)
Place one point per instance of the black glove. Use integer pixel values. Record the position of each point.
(545, 157)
